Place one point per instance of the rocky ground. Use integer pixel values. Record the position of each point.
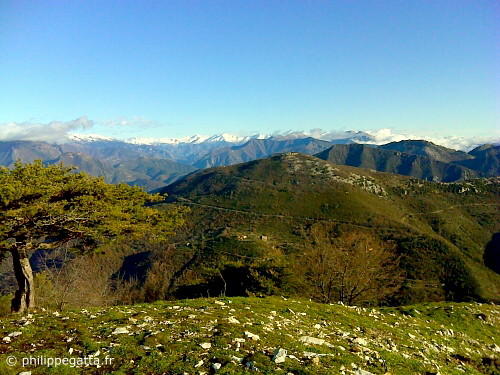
(254, 335)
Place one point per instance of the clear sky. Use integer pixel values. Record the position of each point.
(174, 68)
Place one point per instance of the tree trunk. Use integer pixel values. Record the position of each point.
(24, 297)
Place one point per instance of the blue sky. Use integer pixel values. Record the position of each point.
(174, 68)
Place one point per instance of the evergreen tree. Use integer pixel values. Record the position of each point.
(45, 207)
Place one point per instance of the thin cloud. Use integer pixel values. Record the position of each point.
(386, 135)
(135, 122)
(54, 131)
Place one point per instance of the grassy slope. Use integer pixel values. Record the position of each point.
(278, 195)
(165, 338)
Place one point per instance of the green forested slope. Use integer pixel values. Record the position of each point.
(440, 229)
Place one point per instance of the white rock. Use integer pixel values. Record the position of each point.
(360, 341)
(199, 363)
(252, 336)
(15, 334)
(362, 372)
(216, 366)
(206, 345)
(312, 355)
(233, 320)
(220, 303)
(25, 373)
(120, 330)
(279, 355)
(7, 339)
(236, 359)
(312, 340)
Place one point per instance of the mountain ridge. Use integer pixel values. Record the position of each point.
(404, 157)
(280, 196)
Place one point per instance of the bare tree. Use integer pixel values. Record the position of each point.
(354, 267)
(75, 281)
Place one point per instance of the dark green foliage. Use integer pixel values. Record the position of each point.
(436, 224)
(492, 253)
(431, 260)
(48, 207)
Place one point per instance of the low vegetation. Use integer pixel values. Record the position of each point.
(244, 335)
(315, 269)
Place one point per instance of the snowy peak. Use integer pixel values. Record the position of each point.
(89, 138)
(193, 139)
(224, 138)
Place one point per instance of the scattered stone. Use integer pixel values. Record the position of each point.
(216, 366)
(251, 366)
(362, 372)
(236, 359)
(220, 303)
(6, 339)
(312, 340)
(120, 330)
(25, 373)
(360, 341)
(15, 334)
(199, 363)
(279, 355)
(233, 320)
(252, 336)
(312, 355)
(206, 345)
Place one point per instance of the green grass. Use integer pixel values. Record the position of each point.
(165, 338)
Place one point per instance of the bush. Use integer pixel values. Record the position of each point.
(5, 301)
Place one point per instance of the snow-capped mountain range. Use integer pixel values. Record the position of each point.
(230, 139)
(378, 137)
(155, 162)
(192, 139)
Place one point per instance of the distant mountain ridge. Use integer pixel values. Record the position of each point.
(260, 148)
(428, 149)
(120, 161)
(408, 164)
